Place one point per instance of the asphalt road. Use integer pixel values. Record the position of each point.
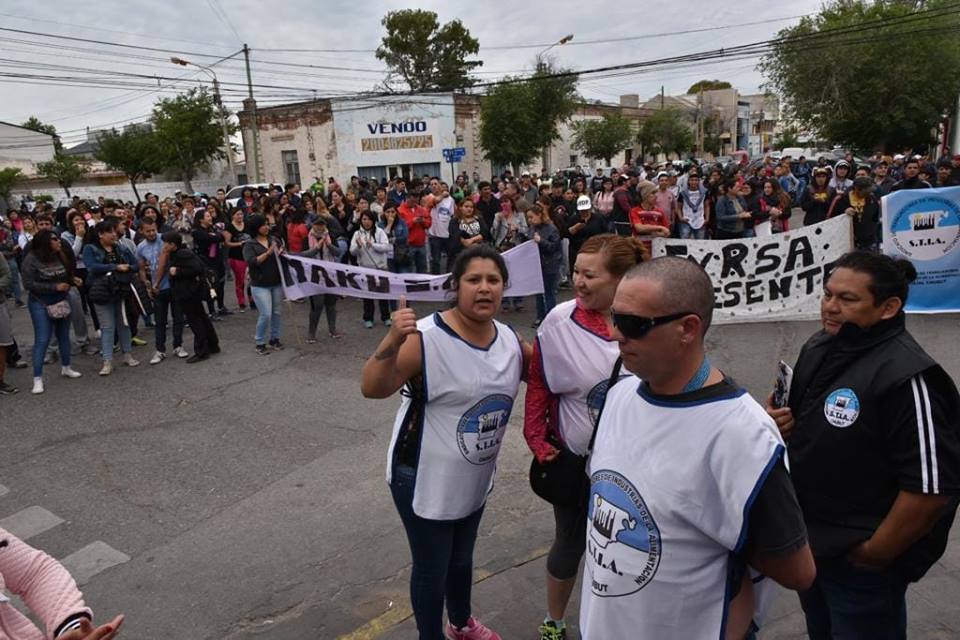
(244, 496)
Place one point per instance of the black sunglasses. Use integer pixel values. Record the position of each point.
(635, 327)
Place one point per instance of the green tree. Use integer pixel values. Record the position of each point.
(34, 124)
(187, 133)
(521, 117)
(708, 85)
(66, 170)
(9, 178)
(789, 137)
(425, 55)
(135, 152)
(666, 131)
(603, 138)
(847, 87)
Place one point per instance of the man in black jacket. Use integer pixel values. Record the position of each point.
(872, 426)
(188, 282)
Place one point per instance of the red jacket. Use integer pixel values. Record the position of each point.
(418, 231)
(541, 407)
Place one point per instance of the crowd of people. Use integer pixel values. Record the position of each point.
(677, 550)
(111, 266)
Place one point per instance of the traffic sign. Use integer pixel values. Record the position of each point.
(454, 154)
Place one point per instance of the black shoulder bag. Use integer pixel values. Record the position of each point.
(563, 481)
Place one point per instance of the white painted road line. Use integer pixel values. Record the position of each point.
(92, 559)
(3, 490)
(30, 522)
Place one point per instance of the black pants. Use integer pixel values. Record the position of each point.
(205, 340)
(217, 266)
(166, 306)
(324, 302)
(368, 310)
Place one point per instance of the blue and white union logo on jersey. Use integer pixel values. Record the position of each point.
(842, 408)
(480, 430)
(623, 540)
(597, 395)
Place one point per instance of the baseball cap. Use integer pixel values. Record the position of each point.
(583, 203)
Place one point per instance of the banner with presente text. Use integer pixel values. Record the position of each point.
(923, 226)
(774, 277)
(304, 277)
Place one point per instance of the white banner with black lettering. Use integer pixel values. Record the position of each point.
(304, 277)
(774, 277)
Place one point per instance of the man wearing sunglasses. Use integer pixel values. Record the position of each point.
(688, 484)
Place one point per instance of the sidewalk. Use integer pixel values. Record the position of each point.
(512, 603)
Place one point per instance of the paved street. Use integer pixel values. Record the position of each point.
(244, 497)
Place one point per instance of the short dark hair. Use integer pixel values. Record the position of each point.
(889, 277)
(44, 217)
(173, 237)
(910, 161)
(477, 252)
(482, 184)
(684, 285)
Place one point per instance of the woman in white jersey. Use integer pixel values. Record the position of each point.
(460, 370)
(567, 382)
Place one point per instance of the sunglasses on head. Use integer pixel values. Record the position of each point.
(635, 327)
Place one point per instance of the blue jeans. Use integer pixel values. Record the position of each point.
(438, 247)
(15, 288)
(687, 232)
(419, 256)
(112, 320)
(442, 559)
(268, 301)
(43, 329)
(846, 603)
(547, 300)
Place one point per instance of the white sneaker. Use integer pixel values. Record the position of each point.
(180, 352)
(68, 372)
(107, 368)
(99, 334)
(130, 361)
(37, 386)
(158, 357)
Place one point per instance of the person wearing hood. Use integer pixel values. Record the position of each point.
(841, 182)
(863, 206)
(188, 282)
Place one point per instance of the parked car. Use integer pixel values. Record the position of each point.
(237, 192)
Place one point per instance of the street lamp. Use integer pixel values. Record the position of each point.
(217, 99)
(564, 40)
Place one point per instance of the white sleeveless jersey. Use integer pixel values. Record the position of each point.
(469, 397)
(576, 367)
(671, 488)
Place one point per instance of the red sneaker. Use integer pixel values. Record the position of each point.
(473, 631)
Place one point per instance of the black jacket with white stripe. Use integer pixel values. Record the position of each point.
(875, 415)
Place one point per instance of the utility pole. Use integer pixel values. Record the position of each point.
(254, 127)
(661, 97)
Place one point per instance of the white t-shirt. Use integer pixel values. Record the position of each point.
(672, 482)
(693, 207)
(440, 217)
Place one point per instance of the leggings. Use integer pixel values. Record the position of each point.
(239, 269)
(569, 541)
(325, 302)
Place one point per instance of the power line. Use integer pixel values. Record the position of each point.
(224, 18)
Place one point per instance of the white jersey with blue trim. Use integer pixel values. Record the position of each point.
(469, 397)
(576, 368)
(672, 483)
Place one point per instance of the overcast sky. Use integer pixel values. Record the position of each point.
(186, 28)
